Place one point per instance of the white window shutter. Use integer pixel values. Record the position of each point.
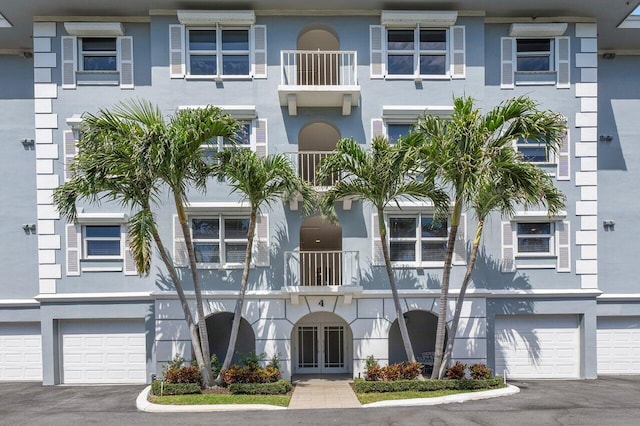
(563, 238)
(261, 241)
(377, 54)
(259, 137)
(180, 254)
(176, 51)
(564, 158)
(507, 61)
(259, 51)
(458, 56)
(129, 261)
(563, 63)
(377, 128)
(70, 151)
(508, 263)
(72, 234)
(377, 255)
(69, 62)
(460, 246)
(125, 61)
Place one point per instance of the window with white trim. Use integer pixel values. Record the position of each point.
(102, 242)
(98, 53)
(242, 140)
(417, 239)
(397, 130)
(220, 240)
(535, 54)
(218, 51)
(534, 151)
(535, 238)
(417, 51)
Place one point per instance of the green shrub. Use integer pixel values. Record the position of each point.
(184, 374)
(274, 362)
(366, 386)
(400, 371)
(480, 371)
(250, 374)
(456, 371)
(216, 365)
(278, 388)
(157, 388)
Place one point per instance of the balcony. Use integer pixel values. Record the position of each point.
(322, 273)
(319, 79)
(307, 162)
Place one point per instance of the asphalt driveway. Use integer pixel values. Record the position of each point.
(606, 401)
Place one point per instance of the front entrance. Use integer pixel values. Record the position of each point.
(321, 344)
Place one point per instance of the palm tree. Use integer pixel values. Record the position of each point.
(382, 176)
(515, 183)
(462, 152)
(120, 155)
(262, 181)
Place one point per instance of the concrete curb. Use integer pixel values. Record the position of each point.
(143, 404)
(463, 397)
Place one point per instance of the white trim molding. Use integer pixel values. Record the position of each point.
(94, 29)
(212, 17)
(413, 112)
(429, 18)
(538, 30)
(101, 218)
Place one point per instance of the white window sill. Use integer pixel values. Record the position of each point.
(415, 265)
(417, 78)
(220, 267)
(536, 256)
(101, 269)
(218, 77)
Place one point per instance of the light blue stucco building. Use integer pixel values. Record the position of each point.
(552, 297)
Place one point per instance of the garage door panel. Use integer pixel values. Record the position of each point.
(541, 346)
(618, 345)
(20, 352)
(105, 356)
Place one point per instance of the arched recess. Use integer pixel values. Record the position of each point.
(422, 333)
(315, 141)
(320, 252)
(314, 67)
(322, 343)
(219, 331)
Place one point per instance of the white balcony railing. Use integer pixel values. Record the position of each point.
(307, 162)
(319, 68)
(321, 268)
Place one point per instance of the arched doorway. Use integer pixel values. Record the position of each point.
(422, 332)
(321, 344)
(219, 331)
(315, 141)
(314, 66)
(320, 252)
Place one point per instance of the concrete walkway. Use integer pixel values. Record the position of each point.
(323, 392)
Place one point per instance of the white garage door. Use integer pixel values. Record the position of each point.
(20, 352)
(110, 351)
(619, 345)
(538, 346)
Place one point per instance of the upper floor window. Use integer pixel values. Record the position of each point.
(218, 51)
(534, 54)
(102, 242)
(217, 44)
(220, 240)
(398, 130)
(96, 53)
(417, 45)
(417, 239)
(533, 151)
(242, 140)
(535, 238)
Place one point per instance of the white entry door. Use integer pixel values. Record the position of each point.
(321, 349)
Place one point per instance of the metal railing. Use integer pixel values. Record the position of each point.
(321, 268)
(307, 162)
(319, 68)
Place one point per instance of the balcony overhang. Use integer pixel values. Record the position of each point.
(335, 290)
(345, 97)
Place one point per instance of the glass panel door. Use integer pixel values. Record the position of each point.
(307, 347)
(333, 346)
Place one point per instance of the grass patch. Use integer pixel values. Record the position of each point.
(208, 399)
(366, 398)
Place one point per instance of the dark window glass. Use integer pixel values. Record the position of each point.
(235, 40)
(99, 63)
(433, 228)
(207, 253)
(534, 63)
(98, 44)
(400, 64)
(402, 252)
(103, 248)
(534, 228)
(433, 40)
(235, 253)
(235, 64)
(102, 231)
(397, 130)
(534, 45)
(202, 65)
(402, 227)
(534, 154)
(533, 245)
(400, 40)
(236, 228)
(433, 65)
(433, 251)
(208, 229)
(202, 40)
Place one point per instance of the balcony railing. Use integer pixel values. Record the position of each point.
(321, 268)
(307, 162)
(318, 68)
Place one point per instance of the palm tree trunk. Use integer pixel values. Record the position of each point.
(193, 329)
(202, 324)
(463, 290)
(394, 289)
(237, 314)
(444, 291)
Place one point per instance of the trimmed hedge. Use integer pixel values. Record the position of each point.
(364, 386)
(174, 388)
(278, 388)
